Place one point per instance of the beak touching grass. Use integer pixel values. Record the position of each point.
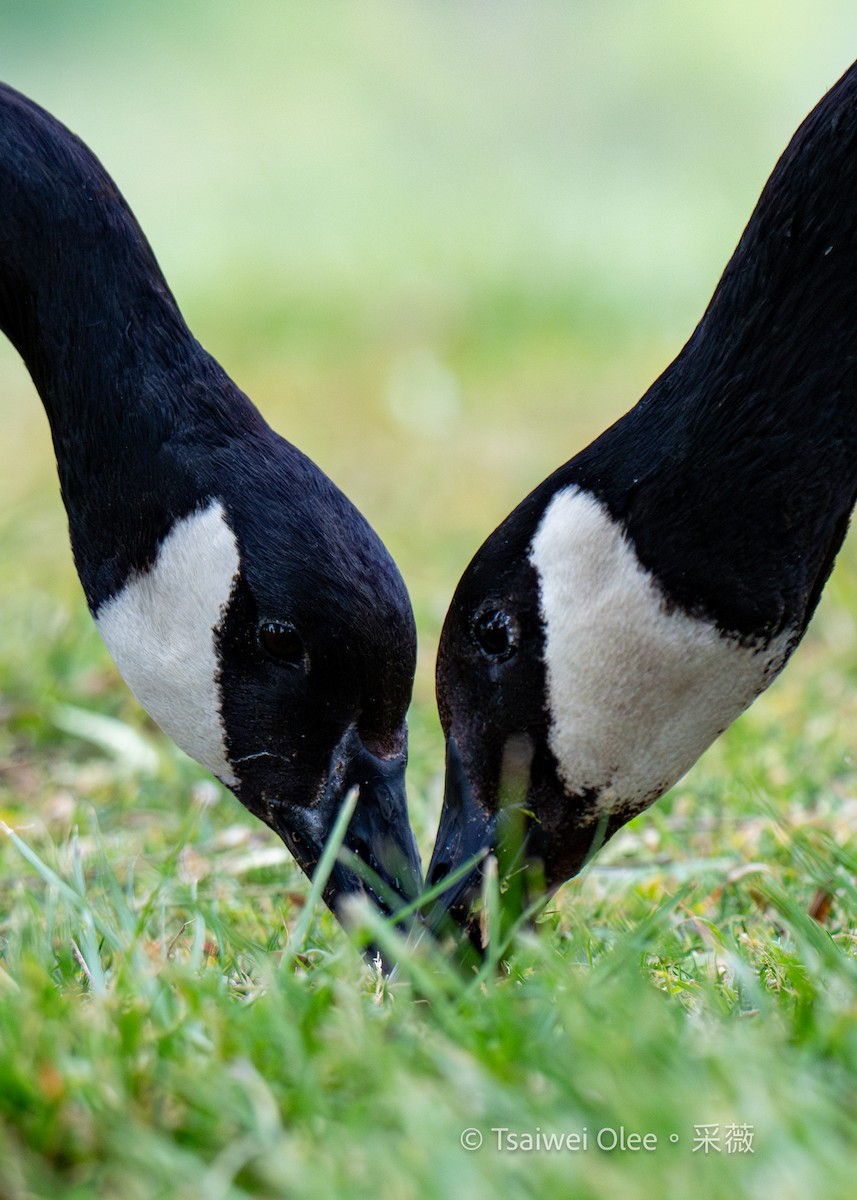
(379, 856)
(379, 836)
(495, 842)
(466, 831)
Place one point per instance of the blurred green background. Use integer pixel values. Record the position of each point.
(440, 245)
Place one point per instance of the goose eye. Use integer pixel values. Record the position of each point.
(282, 642)
(495, 633)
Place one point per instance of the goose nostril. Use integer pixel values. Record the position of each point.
(438, 872)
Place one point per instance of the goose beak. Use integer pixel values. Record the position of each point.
(379, 834)
(466, 830)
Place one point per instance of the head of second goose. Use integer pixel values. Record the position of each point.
(639, 599)
(248, 604)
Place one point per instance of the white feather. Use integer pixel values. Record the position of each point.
(636, 691)
(161, 630)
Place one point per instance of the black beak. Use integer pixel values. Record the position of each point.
(379, 834)
(466, 830)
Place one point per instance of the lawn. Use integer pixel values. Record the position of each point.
(441, 248)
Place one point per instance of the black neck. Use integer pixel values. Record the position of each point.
(776, 349)
(736, 473)
(79, 285)
(121, 378)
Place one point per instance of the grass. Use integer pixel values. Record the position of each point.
(463, 248)
(163, 1035)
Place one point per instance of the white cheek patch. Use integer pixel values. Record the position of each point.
(635, 692)
(161, 629)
